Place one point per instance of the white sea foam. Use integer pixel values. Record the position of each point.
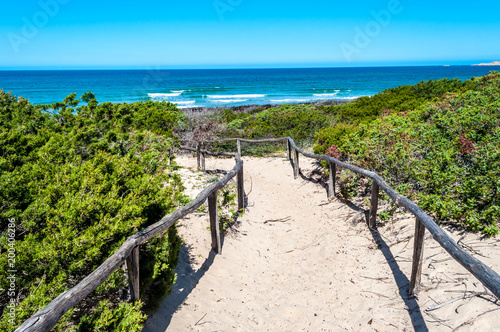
(178, 91)
(349, 98)
(184, 102)
(234, 96)
(326, 94)
(290, 100)
(309, 100)
(186, 106)
(228, 100)
(163, 95)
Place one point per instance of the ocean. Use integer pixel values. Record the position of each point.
(228, 87)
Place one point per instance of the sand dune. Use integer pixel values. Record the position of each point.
(297, 262)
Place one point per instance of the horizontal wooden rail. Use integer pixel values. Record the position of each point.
(264, 140)
(215, 154)
(47, 317)
(227, 140)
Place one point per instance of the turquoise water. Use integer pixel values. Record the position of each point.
(230, 87)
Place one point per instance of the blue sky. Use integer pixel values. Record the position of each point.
(53, 34)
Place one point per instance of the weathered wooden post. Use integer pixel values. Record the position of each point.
(198, 156)
(238, 147)
(296, 169)
(374, 205)
(331, 180)
(214, 222)
(133, 274)
(240, 189)
(289, 149)
(418, 253)
(202, 157)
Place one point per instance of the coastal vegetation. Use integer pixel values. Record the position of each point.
(75, 181)
(326, 125)
(443, 154)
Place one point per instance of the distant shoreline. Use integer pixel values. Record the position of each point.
(249, 108)
(494, 63)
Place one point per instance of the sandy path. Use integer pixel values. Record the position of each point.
(321, 270)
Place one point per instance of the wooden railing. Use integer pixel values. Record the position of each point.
(128, 253)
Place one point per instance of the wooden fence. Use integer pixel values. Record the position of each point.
(489, 278)
(128, 253)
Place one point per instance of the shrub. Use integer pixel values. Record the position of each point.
(348, 184)
(78, 181)
(126, 317)
(447, 151)
(336, 135)
(298, 121)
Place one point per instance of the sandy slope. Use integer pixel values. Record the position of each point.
(320, 270)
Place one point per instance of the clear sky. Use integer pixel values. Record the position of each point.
(53, 34)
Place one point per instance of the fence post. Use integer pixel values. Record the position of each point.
(240, 189)
(331, 180)
(202, 155)
(296, 169)
(374, 205)
(198, 156)
(289, 149)
(214, 222)
(238, 147)
(418, 253)
(133, 274)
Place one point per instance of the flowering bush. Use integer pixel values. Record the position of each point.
(448, 151)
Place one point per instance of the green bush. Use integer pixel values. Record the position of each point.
(227, 207)
(444, 154)
(78, 181)
(126, 318)
(298, 121)
(350, 117)
(336, 135)
(348, 184)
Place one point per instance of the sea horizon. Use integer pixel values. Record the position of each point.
(243, 67)
(198, 88)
